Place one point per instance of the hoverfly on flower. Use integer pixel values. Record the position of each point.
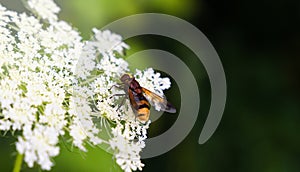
(141, 98)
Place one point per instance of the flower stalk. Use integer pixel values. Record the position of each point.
(18, 163)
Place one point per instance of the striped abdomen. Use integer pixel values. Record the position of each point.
(140, 105)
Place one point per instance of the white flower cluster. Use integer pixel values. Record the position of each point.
(37, 61)
(46, 9)
(127, 138)
(53, 83)
(125, 129)
(152, 81)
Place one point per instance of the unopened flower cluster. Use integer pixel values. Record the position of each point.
(52, 83)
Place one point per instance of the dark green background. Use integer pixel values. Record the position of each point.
(258, 43)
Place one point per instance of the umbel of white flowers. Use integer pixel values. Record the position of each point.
(52, 83)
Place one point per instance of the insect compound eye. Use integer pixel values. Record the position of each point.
(125, 78)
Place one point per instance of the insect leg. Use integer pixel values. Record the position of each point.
(119, 86)
(121, 104)
(117, 95)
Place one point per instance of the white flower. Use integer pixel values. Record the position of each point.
(152, 81)
(82, 126)
(128, 153)
(87, 62)
(127, 138)
(36, 62)
(46, 9)
(53, 83)
(39, 145)
(106, 41)
(127, 148)
(128, 134)
(78, 133)
(112, 66)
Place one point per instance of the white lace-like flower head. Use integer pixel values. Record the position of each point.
(53, 83)
(46, 9)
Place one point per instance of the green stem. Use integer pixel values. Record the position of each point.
(18, 163)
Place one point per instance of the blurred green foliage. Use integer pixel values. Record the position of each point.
(85, 14)
(258, 43)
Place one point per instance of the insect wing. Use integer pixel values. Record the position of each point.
(156, 100)
(133, 102)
